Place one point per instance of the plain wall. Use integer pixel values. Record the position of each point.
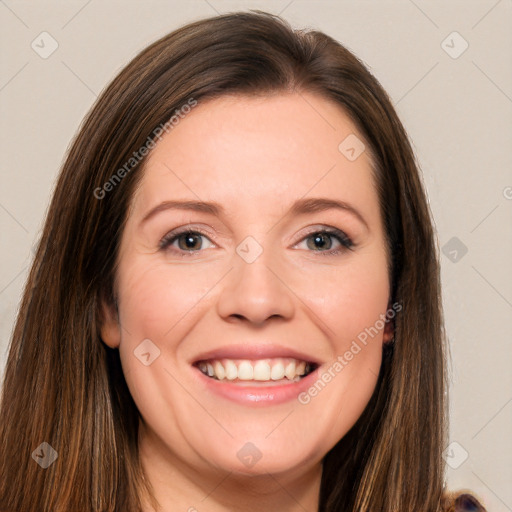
(457, 108)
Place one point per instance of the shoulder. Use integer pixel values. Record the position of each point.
(461, 501)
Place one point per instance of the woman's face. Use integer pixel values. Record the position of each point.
(258, 277)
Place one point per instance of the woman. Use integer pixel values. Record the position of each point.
(235, 303)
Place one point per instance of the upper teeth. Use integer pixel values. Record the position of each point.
(261, 369)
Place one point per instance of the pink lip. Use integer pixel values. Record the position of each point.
(255, 352)
(254, 395)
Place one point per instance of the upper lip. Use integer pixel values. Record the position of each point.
(254, 351)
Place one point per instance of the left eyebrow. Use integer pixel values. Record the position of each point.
(320, 204)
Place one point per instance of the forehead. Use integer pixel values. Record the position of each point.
(242, 151)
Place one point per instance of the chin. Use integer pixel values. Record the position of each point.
(262, 456)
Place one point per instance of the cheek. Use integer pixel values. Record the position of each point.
(354, 300)
(161, 303)
(156, 297)
(349, 298)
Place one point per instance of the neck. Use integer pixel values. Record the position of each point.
(181, 486)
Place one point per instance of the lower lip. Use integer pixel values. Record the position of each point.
(257, 395)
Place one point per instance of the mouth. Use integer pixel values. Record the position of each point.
(255, 374)
(273, 371)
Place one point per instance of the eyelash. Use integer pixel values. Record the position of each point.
(339, 235)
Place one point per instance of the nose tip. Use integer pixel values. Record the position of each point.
(255, 292)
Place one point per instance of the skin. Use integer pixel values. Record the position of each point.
(255, 157)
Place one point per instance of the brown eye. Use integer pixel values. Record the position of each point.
(187, 241)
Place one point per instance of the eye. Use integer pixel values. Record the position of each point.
(322, 241)
(188, 240)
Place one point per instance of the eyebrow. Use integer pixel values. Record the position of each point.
(301, 206)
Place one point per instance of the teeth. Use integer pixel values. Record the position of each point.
(277, 372)
(231, 370)
(245, 371)
(219, 371)
(289, 370)
(261, 370)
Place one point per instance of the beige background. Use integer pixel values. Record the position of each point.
(458, 112)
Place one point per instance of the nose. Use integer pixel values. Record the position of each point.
(255, 292)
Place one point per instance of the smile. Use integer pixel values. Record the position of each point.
(256, 382)
(277, 370)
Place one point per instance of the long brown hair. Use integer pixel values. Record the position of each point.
(65, 387)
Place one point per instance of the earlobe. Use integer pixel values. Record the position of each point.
(109, 326)
(389, 332)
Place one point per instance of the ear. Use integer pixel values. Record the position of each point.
(110, 329)
(389, 332)
(389, 329)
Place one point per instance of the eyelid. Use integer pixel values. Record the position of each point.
(323, 227)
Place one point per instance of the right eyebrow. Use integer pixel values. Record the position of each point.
(198, 206)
